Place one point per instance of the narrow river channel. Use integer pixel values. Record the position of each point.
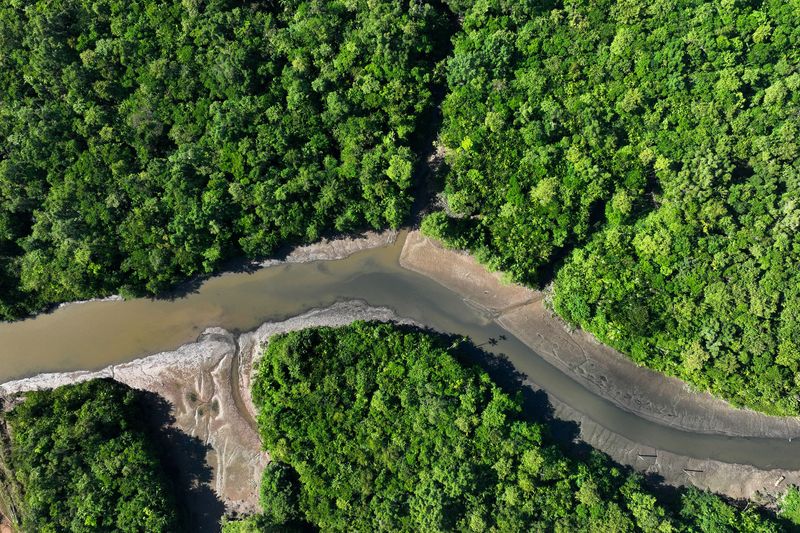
(95, 334)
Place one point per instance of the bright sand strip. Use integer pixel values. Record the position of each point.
(208, 400)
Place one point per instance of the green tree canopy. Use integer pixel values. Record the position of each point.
(144, 142)
(647, 152)
(86, 463)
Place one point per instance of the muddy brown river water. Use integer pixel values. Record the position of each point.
(95, 334)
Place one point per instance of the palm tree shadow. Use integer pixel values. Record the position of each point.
(184, 458)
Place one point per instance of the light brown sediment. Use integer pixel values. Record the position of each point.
(573, 369)
(338, 248)
(95, 333)
(197, 381)
(323, 250)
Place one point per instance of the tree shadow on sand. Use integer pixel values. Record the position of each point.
(536, 406)
(184, 458)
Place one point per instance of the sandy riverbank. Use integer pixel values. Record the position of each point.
(332, 249)
(207, 385)
(194, 380)
(611, 375)
(323, 250)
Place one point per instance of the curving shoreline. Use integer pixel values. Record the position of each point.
(323, 250)
(199, 380)
(220, 361)
(601, 369)
(661, 399)
(207, 384)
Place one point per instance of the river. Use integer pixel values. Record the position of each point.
(95, 334)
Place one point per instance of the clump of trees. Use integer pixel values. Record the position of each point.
(643, 154)
(143, 142)
(790, 506)
(82, 461)
(375, 427)
(647, 153)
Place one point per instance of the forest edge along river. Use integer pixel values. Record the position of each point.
(651, 422)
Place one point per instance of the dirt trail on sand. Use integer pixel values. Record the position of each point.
(611, 375)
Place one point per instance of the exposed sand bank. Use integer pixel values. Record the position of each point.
(339, 248)
(611, 375)
(323, 250)
(207, 384)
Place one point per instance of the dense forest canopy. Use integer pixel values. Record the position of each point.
(642, 154)
(143, 142)
(85, 462)
(374, 427)
(647, 151)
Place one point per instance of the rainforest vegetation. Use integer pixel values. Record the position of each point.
(79, 459)
(642, 156)
(645, 156)
(370, 427)
(375, 427)
(143, 142)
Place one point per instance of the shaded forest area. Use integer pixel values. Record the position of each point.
(144, 142)
(641, 155)
(79, 458)
(377, 427)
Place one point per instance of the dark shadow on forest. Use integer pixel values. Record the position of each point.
(536, 408)
(428, 177)
(430, 169)
(184, 459)
(427, 181)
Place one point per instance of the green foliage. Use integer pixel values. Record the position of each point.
(380, 428)
(790, 506)
(85, 462)
(280, 498)
(144, 142)
(252, 524)
(652, 149)
(12, 501)
(255, 524)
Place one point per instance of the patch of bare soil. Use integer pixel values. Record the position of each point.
(339, 248)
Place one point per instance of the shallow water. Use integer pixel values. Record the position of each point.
(95, 334)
